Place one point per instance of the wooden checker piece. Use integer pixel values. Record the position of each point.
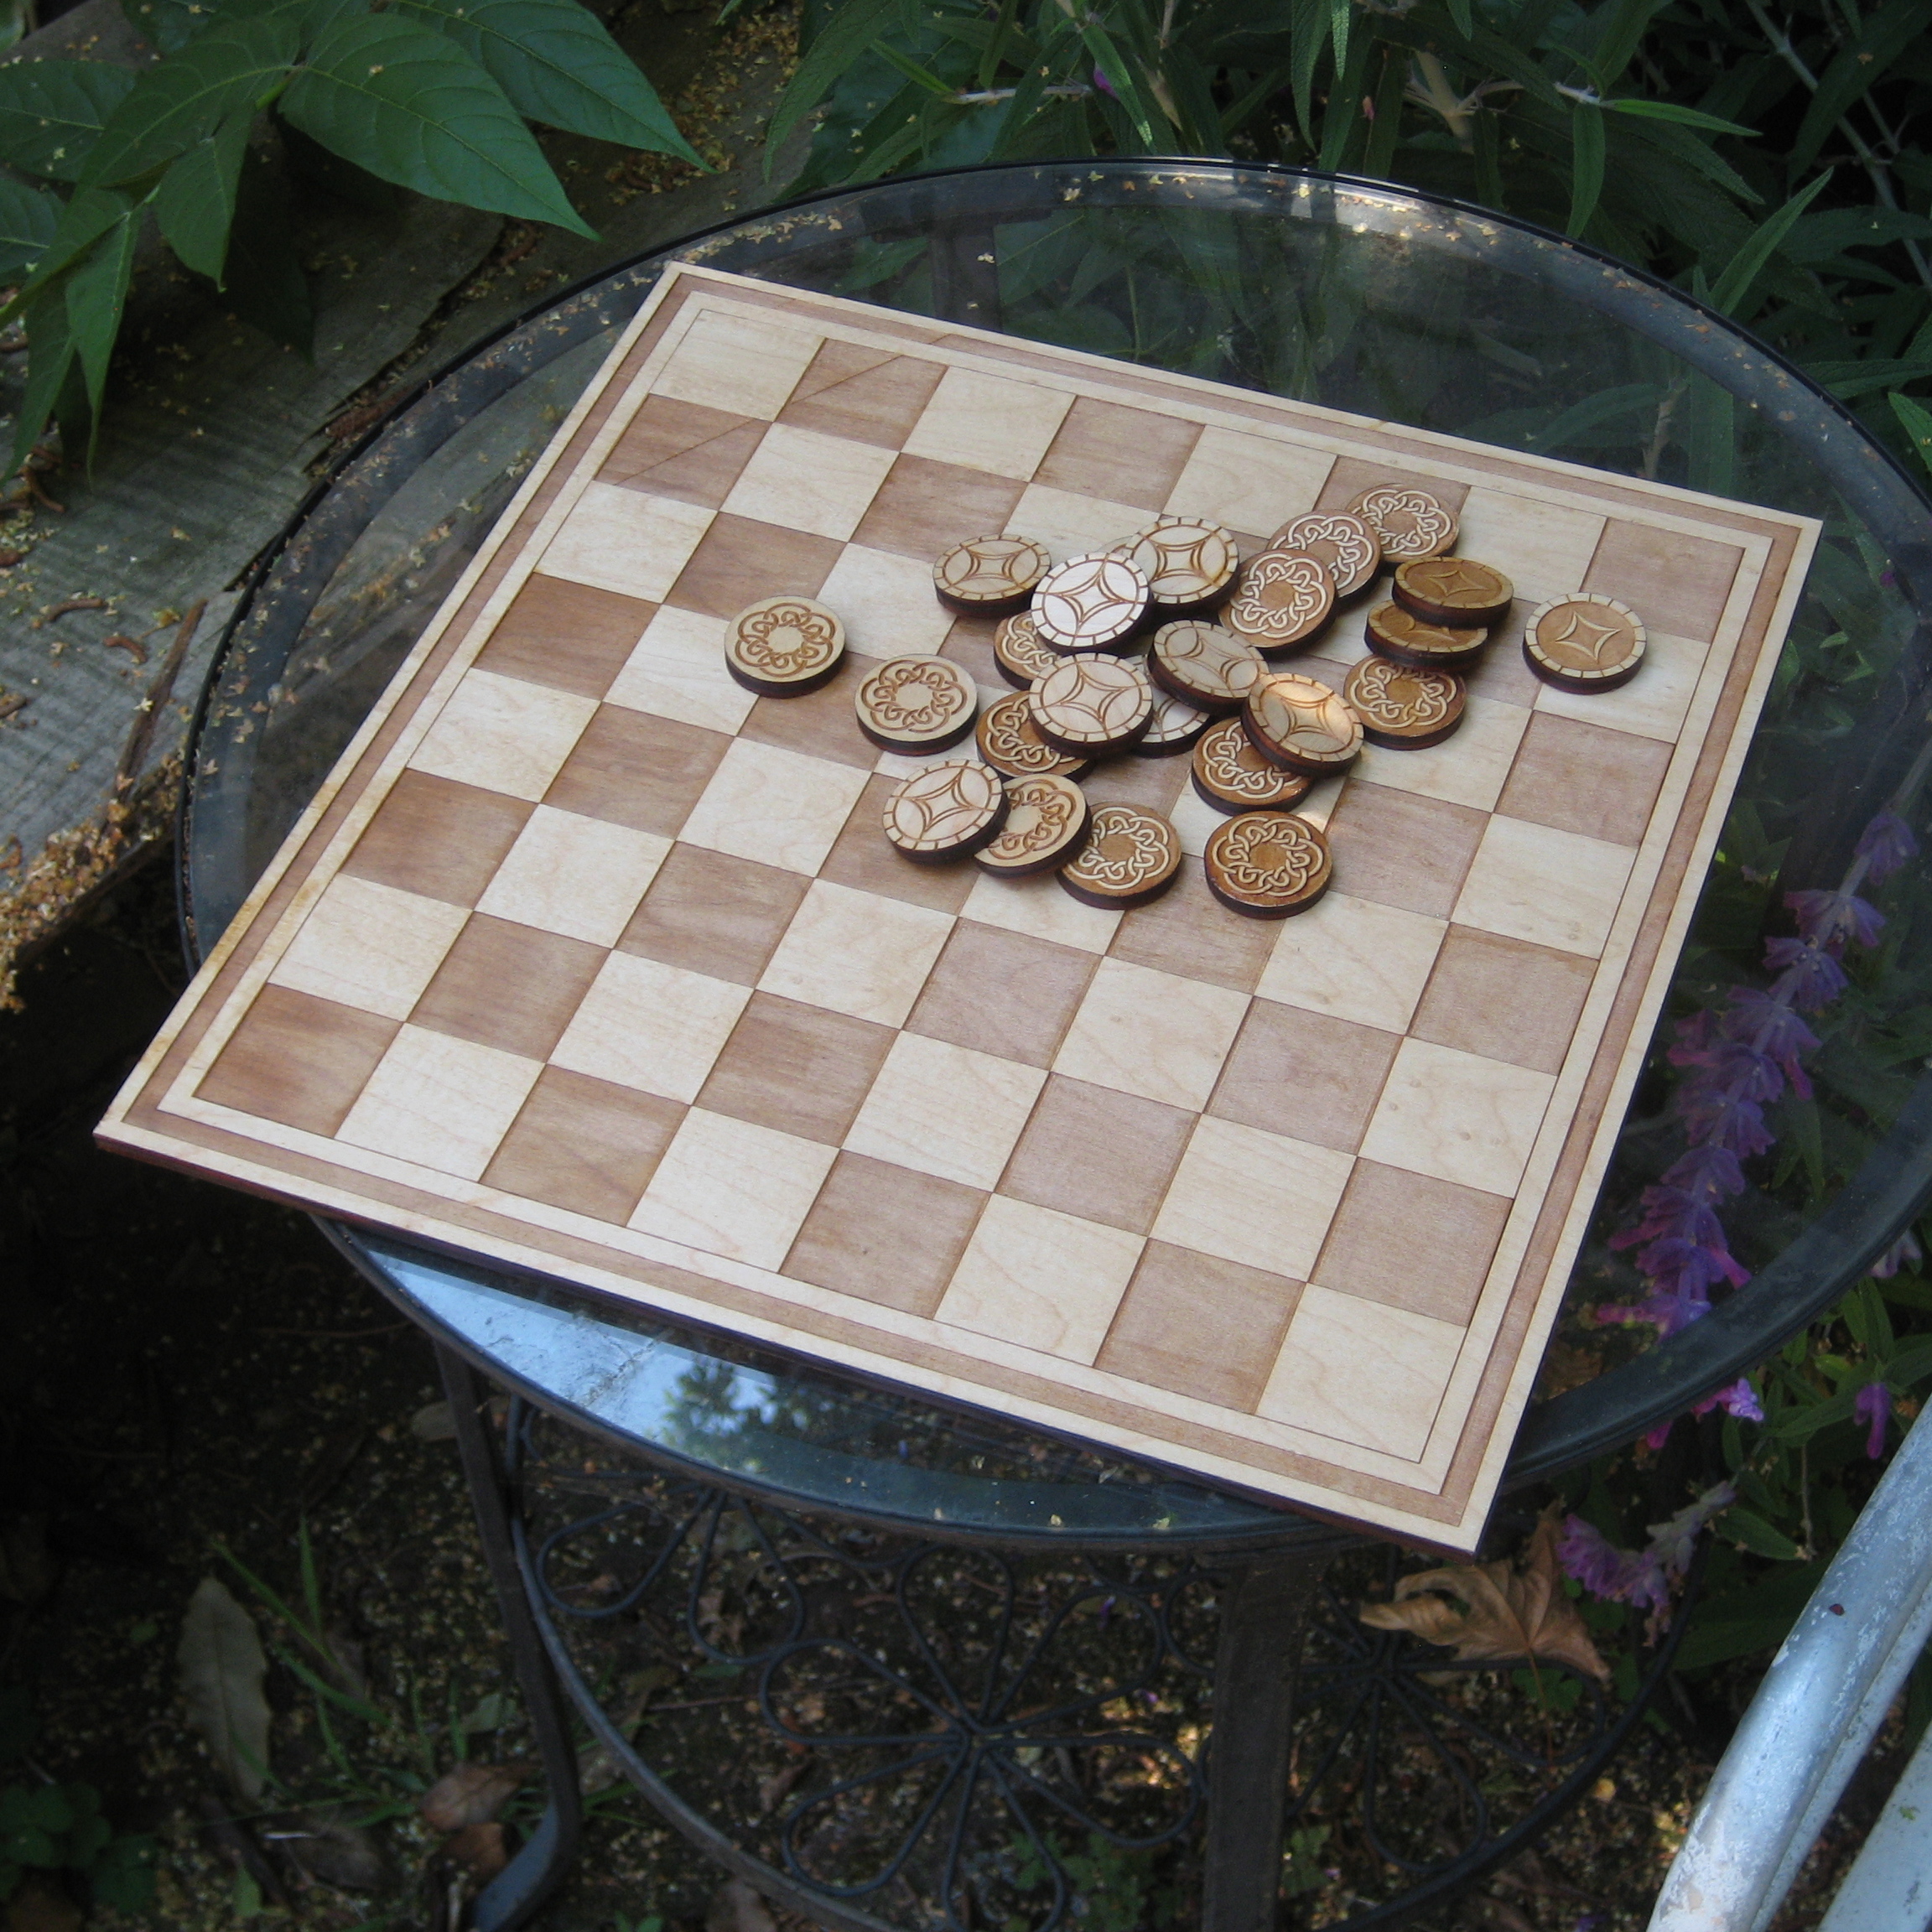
(988, 576)
(1283, 598)
(1189, 565)
(1092, 603)
(1405, 707)
(1457, 591)
(946, 812)
(1092, 707)
(1230, 775)
(1008, 742)
(916, 704)
(1391, 631)
(1018, 651)
(1131, 857)
(784, 646)
(1408, 521)
(1346, 543)
(1302, 725)
(1175, 726)
(1267, 864)
(1207, 666)
(1584, 642)
(1047, 820)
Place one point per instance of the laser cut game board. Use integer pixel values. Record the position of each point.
(588, 961)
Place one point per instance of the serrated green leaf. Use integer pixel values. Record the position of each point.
(28, 218)
(49, 355)
(1744, 267)
(1915, 419)
(52, 113)
(557, 63)
(87, 215)
(408, 105)
(1683, 117)
(195, 201)
(1586, 165)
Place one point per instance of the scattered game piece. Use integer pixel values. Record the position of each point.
(1205, 665)
(1092, 706)
(1268, 864)
(916, 704)
(1230, 775)
(1301, 725)
(946, 812)
(989, 576)
(784, 646)
(1584, 642)
(1173, 728)
(1131, 857)
(1454, 590)
(1018, 651)
(1009, 743)
(1046, 820)
(1405, 707)
(1343, 541)
(1090, 603)
(1407, 522)
(1188, 565)
(1283, 598)
(1391, 631)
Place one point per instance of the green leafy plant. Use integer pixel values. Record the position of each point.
(427, 94)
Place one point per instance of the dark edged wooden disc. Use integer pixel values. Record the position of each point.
(1346, 543)
(1268, 864)
(1132, 855)
(1019, 653)
(946, 812)
(1008, 742)
(1405, 707)
(916, 704)
(784, 646)
(988, 576)
(1173, 728)
(1230, 775)
(1281, 599)
(1189, 565)
(1407, 522)
(1457, 591)
(1301, 725)
(1047, 820)
(1391, 631)
(1204, 664)
(1095, 602)
(1092, 707)
(1585, 643)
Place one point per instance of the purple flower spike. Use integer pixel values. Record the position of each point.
(1740, 1400)
(1710, 1173)
(1768, 1026)
(1904, 1253)
(1886, 844)
(1874, 1408)
(1829, 919)
(1104, 85)
(1808, 977)
(1725, 1120)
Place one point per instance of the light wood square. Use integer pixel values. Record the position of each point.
(652, 1027)
(1355, 960)
(678, 671)
(1041, 909)
(622, 540)
(1252, 1196)
(1552, 888)
(1361, 1373)
(887, 605)
(1041, 1278)
(1249, 483)
(1469, 768)
(733, 1188)
(1194, 820)
(945, 1110)
(369, 947)
(1457, 1116)
(1544, 548)
(988, 422)
(1069, 524)
(1152, 1033)
(857, 954)
(808, 481)
(1652, 704)
(502, 735)
(582, 877)
(743, 364)
(441, 1101)
(774, 805)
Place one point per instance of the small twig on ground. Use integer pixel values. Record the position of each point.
(134, 753)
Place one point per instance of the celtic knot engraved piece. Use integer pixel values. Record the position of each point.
(1282, 599)
(916, 704)
(1407, 522)
(1046, 820)
(1089, 706)
(990, 575)
(945, 811)
(1174, 726)
(1267, 864)
(1404, 706)
(1585, 642)
(784, 646)
(1131, 855)
(1188, 564)
(1090, 603)
(1301, 725)
(1456, 590)
(1209, 666)
(1009, 743)
(1344, 541)
(1018, 651)
(1230, 775)
(1391, 631)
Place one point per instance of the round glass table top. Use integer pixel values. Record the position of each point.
(1353, 295)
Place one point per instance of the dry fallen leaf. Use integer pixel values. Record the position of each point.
(470, 1795)
(221, 1667)
(41, 1906)
(479, 1849)
(1495, 1612)
(736, 1908)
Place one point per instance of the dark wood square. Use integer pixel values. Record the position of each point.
(565, 635)
(1188, 931)
(297, 1059)
(1350, 476)
(1118, 454)
(1103, 1155)
(1503, 999)
(435, 837)
(507, 986)
(1582, 778)
(682, 449)
(738, 560)
(1308, 1076)
(635, 768)
(860, 857)
(822, 724)
(1002, 993)
(802, 1069)
(1400, 849)
(1154, 782)
(1409, 1241)
(970, 643)
(885, 1234)
(585, 1145)
(715, 914)
(922, 507)
(1675, 582)
(868, 395)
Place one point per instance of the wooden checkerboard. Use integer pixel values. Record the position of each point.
(587, 960)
